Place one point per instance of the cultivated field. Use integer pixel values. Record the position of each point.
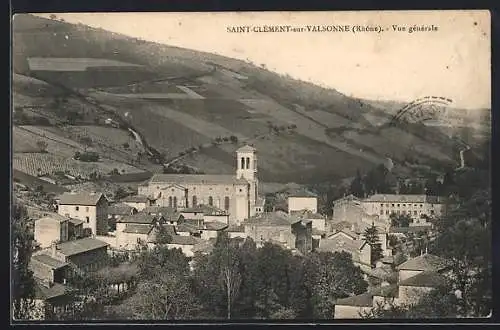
(72, 63)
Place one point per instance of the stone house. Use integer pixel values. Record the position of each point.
(91, 208)
(423, 263)
(211, 229)
(359, 249)
(52, 227)
(138, 202)
(318, 220)
(134, 229)
(301, 200)
(282, 228)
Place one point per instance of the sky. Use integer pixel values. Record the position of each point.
(452, 62)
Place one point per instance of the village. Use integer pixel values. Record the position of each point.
(189, 212)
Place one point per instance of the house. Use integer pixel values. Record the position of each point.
(302, 199)
(423, 263)
(211, 229)
(139, 202)
(185, 243)
(358, 248)
(50, 299)
(412, 288)
(187, 229)
(134, 229)
(353, 307)
(51, 227)
(318, 220)
(236, 231)
(85, 254)
(118, 210)
(282, 228)
(170, 215)
(91, 208)
(207, 213)
(416, 277)
(75, 229)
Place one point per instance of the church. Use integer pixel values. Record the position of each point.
(236, 194)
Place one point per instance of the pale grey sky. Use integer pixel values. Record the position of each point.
(452, 62)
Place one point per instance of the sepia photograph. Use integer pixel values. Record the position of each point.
(250, 166)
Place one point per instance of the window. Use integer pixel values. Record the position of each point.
(175, 202)
(88, 219)
(173, 190)
(432, 212)
(248, 163)
(170, 202)
(381, 212)
(241, 190)
(392, 205)
(414, 212)
(242, 162)
(210, 201)
(387, 212)
(226, 203)
(194, 201)
(398, 205)
(77, 208)
(381, 205)
(87, 209)
(421, 205)
(398, 212)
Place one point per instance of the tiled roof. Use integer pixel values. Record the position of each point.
(76, 222)
(140, 217)
(196, 179)
(169, 213)
(185, 240)
(120, 209)
(302, 193)
(278, 218)
(135, 199)
(425, 262)
(187, 227)
(135, 228)
(215, 225)
(404, 198)
(205, 209)
(49, 261)
(361, 300)
(390, 291)
(341, 243)
(246, 148)
(54, 217)
(80, 246)
(80, 198)
(425, 279)
(44, 292)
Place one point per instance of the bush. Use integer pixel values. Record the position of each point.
(88, 156)
(126, 145)
(233, 139)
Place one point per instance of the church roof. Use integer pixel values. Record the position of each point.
(196, 179)
(246, 148)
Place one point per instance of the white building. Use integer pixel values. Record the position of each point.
(303, 200)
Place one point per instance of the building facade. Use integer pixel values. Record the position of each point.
(91, 208)
(237, 194)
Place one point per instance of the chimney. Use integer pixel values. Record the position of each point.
(53, 249)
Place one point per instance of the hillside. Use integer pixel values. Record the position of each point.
(186, 103)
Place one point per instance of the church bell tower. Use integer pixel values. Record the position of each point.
(246, 168)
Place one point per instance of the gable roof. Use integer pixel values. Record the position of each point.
(140, 217)
(391, 291)
(180, 179)
(80, 198)
(278, 218)
(136, 228)
(188, 228)
(206, 210)
(169, 213)
(215, 225)
(426, 280)
(53, 217)
(361, 300)
(135, 199)
(342, 243)
(49, 261)
(425, 262)
(81, 245)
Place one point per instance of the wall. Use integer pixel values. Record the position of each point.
(303, 203)
(319, 224)
(41, 271)
(91, 260)
(404, 274)
(207, 234)
(102, 217)
(260, 234)
(46, 231)
(111, 240)
(303, 236)
(129, 240)
(233, 234)
(365, 254)
(347, 211)
(350, 312)
(416, 210)
(218, 218)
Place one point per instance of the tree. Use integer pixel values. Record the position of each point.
(86, 141)
(357, 188)
(233, 139)
(371, 237)
(23, 283)
(120, 193)
(400, 220)
(42, 145)
(166, 296)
